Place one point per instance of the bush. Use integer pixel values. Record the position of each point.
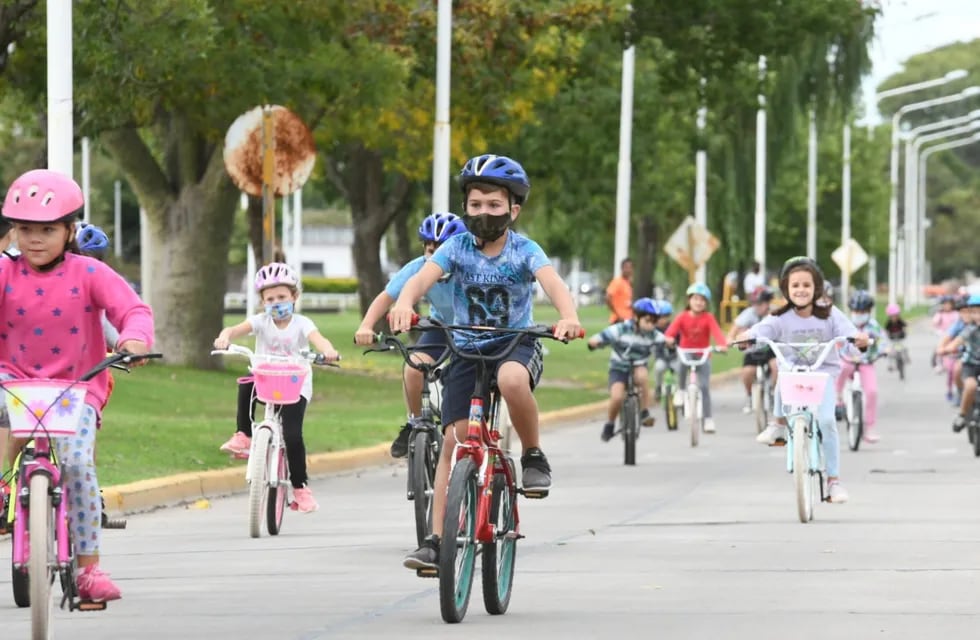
(312, 284)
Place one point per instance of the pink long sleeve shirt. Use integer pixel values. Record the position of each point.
(50, 323)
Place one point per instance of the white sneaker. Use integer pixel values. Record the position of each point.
(709, 425)
(837, 492)
(772, 434)
(748, 406)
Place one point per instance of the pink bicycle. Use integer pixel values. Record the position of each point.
(41, 409)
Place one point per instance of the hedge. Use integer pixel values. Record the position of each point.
(313, 284)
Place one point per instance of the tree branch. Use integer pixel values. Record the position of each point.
(141, 168)
(336, 178)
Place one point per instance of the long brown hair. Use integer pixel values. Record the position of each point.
(819, 311)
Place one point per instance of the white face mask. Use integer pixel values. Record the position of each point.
(860, 319)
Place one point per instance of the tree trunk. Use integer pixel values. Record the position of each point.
(404, 234)
(647, 263)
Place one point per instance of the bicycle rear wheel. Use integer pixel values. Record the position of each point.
(275, 504)
(629, 421)
(855, 424)
(801, 471)
(41, 535)
(425, 456)
(497, 560)
(670, 409)
(258, 474)
(457, 553)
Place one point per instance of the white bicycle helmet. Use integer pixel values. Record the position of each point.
(275, 274)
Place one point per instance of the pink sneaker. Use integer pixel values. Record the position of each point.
(238, 445)
(303, 501)
(96, 586)
(871, 435)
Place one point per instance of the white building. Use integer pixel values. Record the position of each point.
(329, 252)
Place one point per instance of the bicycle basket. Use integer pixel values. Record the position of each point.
(802, 388)
(51, 406)
(279, 382)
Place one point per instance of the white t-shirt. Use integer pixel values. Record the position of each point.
(289, 341)
(752, 281)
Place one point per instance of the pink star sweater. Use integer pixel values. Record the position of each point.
(50, 323)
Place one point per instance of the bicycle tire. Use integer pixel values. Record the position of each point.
(900, 364)
(855, 427)
(498, 558)
(21, 583)
(975, 430)
(40, 533)
(258, 468)
(669, 408)
(693, 398)
(801, 471)
(275, 504)
(759, 404)
(629, 419)
(424, 460)
(458, 542)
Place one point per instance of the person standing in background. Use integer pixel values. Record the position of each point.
(753, 280)
(619, 293)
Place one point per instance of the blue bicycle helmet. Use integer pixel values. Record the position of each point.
(646, 306)
(666, 308)
(701, 289)
(439, 227)
(973, 300)
(860, 300)
(92, 239)
(496, 170)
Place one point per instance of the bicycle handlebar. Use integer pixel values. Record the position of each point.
(777, 347)
(682, 354)
(537, 331)
(305, 354)
(394, 344)
(118, 360)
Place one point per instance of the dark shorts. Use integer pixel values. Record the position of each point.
(456, 396)
(756, 358)
(620, 376)
(970, 371)
(431, 343)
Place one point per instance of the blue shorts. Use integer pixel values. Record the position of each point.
(456, 396)
(432, 343)
(620, 376)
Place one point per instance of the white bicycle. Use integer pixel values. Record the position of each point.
(278, 381)
(693, 400)
(853, 396)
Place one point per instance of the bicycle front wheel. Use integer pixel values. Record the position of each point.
(457, 553)
(900, 363)
(801, 471)
(497, 560)
(258, 474)
(670, 409)
(629, 419)
(41, 536)
(425, 456)
(275, 505)
(759, 404)
(693, 412)
(855, 424)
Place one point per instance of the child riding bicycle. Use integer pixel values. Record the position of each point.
(693, 329)
(280, 332)
(51, 302)
(803, 320)
(633, 343)
(759, 301)
(493, 270)
(434, 230)
(861, 304)
(969, 340)
(664, 356)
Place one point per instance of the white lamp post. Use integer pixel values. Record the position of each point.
(442, 131)
(760, 171)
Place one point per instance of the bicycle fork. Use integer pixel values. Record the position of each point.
(814, 440)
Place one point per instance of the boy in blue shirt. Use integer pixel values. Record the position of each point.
(434, 230)
(633, 342)
(493, 270)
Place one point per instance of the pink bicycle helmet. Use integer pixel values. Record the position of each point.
(275, 274)
(893, 309)
(43, 195)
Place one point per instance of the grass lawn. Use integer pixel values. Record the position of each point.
(165, 420)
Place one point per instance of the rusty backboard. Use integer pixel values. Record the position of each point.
(295, 153)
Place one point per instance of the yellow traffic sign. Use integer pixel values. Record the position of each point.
(850, 259)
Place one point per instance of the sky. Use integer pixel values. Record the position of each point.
(908, 27)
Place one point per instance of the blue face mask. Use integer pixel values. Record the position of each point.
(860, 319)
(279, 310)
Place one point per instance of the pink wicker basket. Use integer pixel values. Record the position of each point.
(802, 388)
(279, 382)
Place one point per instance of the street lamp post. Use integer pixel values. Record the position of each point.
(442, 131)
(760, 171)
(701, 172)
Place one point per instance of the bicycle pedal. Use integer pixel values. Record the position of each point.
(410, 496)
(90, 605)
(427, 573)
(511, 535)
(534, 494)
(114, 523)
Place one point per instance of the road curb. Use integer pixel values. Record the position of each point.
(155, 493)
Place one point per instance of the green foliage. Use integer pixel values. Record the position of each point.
(313, 284)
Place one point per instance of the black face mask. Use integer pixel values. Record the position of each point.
(487, 227)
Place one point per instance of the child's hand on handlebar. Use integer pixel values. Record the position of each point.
(568, 329)
(364, 336)
(861, 340)
(400, 318)
(135, 347)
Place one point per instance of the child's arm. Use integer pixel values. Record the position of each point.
(949, 346)
(606, 336)
(365, 333)
(720, 341)
(670, 335)
(322, 345)
(554, 287)
(400, 316)
(230, 333)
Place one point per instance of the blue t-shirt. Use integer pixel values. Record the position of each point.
(957, 328)
(491, 291)
(440, 296)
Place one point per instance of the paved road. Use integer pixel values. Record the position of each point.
(700, 543)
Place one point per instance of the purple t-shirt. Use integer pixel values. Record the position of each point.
(791, 327)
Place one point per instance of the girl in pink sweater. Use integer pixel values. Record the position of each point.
(51, 304)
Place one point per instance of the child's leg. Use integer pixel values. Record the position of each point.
(969, 390)
(869, 382)
(659, 370)
(76, 455)
(292, 434)
(704, 381)
(641, 381)
(617, 392)
(246, 408)
(828, 429)
(516, 379)
(455, 433)
(846, 371)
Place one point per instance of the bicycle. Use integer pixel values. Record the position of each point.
(802, 388)
(762, 397)
(481, 505)
(670, 396)
(629, 414)
(425, 441)
(693, 401)
(899, 354)
(854, 403)
(42, 547)
(278, 381)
